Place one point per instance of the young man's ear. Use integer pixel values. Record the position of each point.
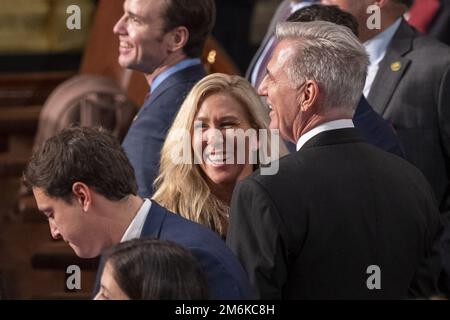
(82, 194)
(178, 38)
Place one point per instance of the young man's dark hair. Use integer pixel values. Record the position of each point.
(89, 155)
(198, 16)
(317, 12)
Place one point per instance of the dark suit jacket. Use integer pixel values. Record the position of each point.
(336, 207)
(416, 100)
(225, 276)
(277, 17)
(148, 132)
(440, 26)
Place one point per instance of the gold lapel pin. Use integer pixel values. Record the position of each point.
(396, 66)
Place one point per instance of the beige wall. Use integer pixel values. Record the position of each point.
(40, 26)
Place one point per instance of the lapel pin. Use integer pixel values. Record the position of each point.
(396, 66)
(135, 118)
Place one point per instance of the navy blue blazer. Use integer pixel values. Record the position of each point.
(227, 279)
(225, 275)
(372, 128)
(375, 130)
(146, 136)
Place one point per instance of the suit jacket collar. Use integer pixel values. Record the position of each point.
(190, 74)
(392, 67)
(152, 229)
(332, 137)
(155, 219)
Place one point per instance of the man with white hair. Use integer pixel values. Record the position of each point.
(341, 219)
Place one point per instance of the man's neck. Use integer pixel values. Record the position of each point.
(119, 215)
(169, 62)
(388, 18)
(316, 120)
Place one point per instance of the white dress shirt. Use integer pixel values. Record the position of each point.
(376, 49)
(137, 224)
(327, 126)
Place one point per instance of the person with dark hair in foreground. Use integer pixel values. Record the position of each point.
(151, 269)
(85, 185)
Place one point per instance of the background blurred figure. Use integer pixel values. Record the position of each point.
(257, 68)
(151, 270)
(232, 29)
(84, 184)
(431, 17)
(164, 40)
(202, 192)
(374, 129)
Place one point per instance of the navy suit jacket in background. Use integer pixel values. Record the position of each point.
(146, 136)
(375, 130)
(227, 279)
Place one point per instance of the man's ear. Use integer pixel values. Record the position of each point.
(309, 95)
(179, 36)
(82, 194)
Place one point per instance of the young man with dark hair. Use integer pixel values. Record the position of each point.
(84, 184)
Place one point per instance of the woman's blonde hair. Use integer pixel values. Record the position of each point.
(181, 188)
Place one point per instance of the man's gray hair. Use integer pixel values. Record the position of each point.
(330, 55)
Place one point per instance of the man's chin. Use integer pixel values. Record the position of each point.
(124, 63)
(127, 61)
(83, 254)
(274, 125)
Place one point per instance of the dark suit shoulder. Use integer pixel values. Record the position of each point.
(192, 231)
(430, 51)
(311, 165)
(224, 272)
(425, 42)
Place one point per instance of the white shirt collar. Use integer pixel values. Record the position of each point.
(376, 49)
(137, 224)
(327, 126)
